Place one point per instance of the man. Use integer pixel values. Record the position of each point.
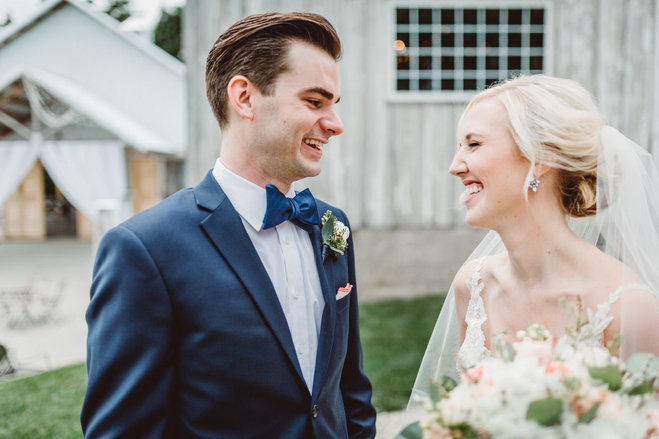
(212, 316)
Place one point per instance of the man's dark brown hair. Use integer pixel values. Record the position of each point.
(256, 47)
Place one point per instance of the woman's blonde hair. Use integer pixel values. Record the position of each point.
(554, 122)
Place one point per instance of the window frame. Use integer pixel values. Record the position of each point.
(394, 95)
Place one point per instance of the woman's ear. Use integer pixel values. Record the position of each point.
(540, 170)
(240, 93)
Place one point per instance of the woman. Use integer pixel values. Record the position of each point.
(574, 220)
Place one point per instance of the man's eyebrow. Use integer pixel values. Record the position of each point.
(321, 91)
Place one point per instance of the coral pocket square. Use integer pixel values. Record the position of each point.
(343, 291)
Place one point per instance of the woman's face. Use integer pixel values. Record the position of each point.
(490, 166)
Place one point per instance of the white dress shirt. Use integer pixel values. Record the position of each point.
(287, 255)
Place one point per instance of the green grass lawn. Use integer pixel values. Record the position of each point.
(43, 406)
(394, 336)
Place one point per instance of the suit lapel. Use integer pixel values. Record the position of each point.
(326, 336)
(225, 229)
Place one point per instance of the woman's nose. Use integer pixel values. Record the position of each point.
(458, 165)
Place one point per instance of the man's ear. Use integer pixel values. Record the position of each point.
(240, 92)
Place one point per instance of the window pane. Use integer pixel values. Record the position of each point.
(470, 16)
(425, 16)
(514, 40)
(403, 84)
(447, 84)
(425, 84)
(470, 40)
(448, 16)
(492, 16)
(535, 63)
(469, 84)
(448, 40)
(492, 63)
(425, 63)
(425, 40)
(492, 40)
(402, 16)
(515, 16)
(469, 63)
(537, 16)
(448, 63)
(514, 62)
(536, 40)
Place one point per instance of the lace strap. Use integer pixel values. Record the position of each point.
(599, 320)
(473, 348)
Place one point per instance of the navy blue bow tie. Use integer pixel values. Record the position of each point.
(301, 209)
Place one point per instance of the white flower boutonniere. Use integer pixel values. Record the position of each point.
(335, 234)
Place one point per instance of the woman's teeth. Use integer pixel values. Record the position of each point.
(473, 189)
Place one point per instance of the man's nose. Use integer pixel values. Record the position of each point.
(332, 123)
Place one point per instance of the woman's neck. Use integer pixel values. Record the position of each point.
(540, 247)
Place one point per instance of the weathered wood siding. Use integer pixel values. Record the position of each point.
(389, 168)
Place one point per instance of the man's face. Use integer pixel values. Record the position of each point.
(294, 124)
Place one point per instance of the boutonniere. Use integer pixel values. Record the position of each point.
(335, 234)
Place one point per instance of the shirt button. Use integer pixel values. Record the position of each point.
(314, 411)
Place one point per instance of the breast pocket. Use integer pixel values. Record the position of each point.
(343, 304)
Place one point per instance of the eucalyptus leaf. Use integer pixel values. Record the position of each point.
(546, 411)
(590, 414)
(328, 228)
(412, 431)
(643, 363)
(642, 389)
(610, 375)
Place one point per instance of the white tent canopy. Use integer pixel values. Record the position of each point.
(121, 81)
(75, 91)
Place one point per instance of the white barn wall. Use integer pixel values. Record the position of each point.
(390, 167)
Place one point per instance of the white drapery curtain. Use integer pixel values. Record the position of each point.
(90, 174)
(16, 160)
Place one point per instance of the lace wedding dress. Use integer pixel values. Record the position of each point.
(473, 350)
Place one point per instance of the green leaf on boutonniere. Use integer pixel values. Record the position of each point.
(610, 375)
(546, 411)
(328, 228)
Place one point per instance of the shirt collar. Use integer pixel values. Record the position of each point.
(247, 198)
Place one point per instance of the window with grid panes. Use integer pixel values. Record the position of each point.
(465, 48)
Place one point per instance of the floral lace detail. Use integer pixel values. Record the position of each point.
(473, 349)
(592, 333)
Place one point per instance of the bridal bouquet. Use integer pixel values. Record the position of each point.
(535, 388)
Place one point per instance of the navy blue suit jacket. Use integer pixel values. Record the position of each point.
(187, 338)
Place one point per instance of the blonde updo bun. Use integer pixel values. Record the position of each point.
(554, 122)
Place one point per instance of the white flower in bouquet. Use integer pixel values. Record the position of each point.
(535, 388)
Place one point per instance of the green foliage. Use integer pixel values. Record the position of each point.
(394, 336)
(119, 10)
(546, 411)
(167, 34)
(43, 406)
(610, 375)
(412, 431)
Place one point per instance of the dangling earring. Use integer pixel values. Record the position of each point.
(534, 183)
